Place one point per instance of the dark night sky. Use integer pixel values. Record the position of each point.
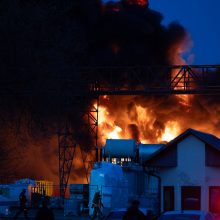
(201, 19)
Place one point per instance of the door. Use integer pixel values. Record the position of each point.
(214, 199)
(168, 198)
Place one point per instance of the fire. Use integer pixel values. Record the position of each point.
(143, 116)
(185, 100)
(134, 121)
(103, 114)
(171, 131)
(108, 129)
(115, 133)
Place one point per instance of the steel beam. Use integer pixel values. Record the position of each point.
(152, 80)
(67, 148)
(68, 141)
(92, 126)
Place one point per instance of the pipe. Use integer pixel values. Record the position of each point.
(97, 154)
(151, 173)
(101, 153)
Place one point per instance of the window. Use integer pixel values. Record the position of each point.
(191, 197)
(114, 160)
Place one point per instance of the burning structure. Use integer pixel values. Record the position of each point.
(42, 90)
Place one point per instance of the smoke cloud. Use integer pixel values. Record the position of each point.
(43, 43)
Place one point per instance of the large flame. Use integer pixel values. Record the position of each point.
(115, 134)
(171, 131)
(155, 119)
(133, 121)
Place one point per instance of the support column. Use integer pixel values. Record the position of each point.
(67, 147)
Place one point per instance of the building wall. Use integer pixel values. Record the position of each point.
(212, 178)
(190, 171)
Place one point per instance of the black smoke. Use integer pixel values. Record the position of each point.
(43, 43)
(131, 35)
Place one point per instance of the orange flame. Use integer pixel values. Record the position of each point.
(171, 131)
(113, 127)
(115, 133)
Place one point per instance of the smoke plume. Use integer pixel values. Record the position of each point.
(43, 43)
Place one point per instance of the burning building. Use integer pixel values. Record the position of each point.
(42, 48)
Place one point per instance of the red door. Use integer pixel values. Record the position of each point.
(214, 199)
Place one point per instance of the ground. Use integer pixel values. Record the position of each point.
(58, 216)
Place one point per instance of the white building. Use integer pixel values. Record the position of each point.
(189, 167)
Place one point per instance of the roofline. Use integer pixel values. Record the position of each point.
(187, 132)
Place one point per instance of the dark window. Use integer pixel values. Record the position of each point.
(212, 156)
(191, 197)
(214, 199)
(168, 198)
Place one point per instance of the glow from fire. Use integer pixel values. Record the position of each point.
(143, 116)
(176, 54)
(103, 115)
(108, 129)
(171, 131)
(138, 123)
(115, 133)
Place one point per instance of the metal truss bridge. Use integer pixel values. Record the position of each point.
(152, 80)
